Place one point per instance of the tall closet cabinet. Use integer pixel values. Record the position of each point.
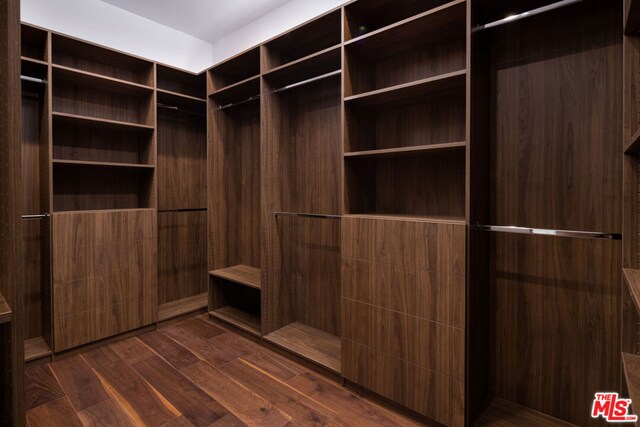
(424, 200)
(114, 192)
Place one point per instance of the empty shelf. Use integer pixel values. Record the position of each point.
(98, 122)
(406, 151)
(183, 306)
(410, 217)
(240, 319)
(102, 164)
(61, 72)
(504, 413)
(632, 277)
(309, 343)
(242, 274)
(5, 310)
(36, 348)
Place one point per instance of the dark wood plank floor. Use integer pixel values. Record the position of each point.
(193, 373)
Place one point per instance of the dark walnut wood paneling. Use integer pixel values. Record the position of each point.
(403, 305)
(104, 274)
(182, 255)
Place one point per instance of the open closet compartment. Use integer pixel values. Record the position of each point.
(630, 346)
(182, 196)
(36, 227)
(545, 154)
(301, 115)
(235, 186)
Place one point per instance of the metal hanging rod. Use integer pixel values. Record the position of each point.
(33, 80)
(38, 216)
(174, 108)
(233, 104)
(182, 210)
(527, 14)
(307, 215)
(304, 82)
(549, 232)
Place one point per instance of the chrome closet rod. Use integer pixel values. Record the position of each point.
(304, 82)
(550, 232)
(233, 104)
(527, 14)
(37, 216)
(182, 210)
(33, 80)
(174, 108)
(308, 215)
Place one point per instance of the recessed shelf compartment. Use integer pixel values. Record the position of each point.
(78, 139)
(632, 279)
(172, 80)
(36, 348)
(34, 43)
(241, 319)
(363, 17)
(99, 81)
(240, 67)
(87, 163)
(182, 306)
(238, 92)
(444, 219)
(309, 343)
(5, 310)
(315, 65)
(91, 96)
(79, 187)
(94, 59)
(408, 151)
(632, 18)
(317, 35)
(98, 123)
(633, 145)
(242, 274)
(181, 103)
(431, 185)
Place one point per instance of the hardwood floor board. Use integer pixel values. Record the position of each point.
(297, 405)
(235, 343)
(58, 413)
(139, 400)
(204, 329)
(274, 364)
(248, 406)
(80, 384)
(197, 406)
(180, 421)
(178, 356)
(132, 350)
(106, 413)
(355, 410)
(213, 354)
(41, 387)
(229, 420)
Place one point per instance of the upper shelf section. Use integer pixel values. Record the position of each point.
(93, 59)
(234, 70)
(632, 17)
(365, 17)
(34, 43)
(181, 83)
(318, 35)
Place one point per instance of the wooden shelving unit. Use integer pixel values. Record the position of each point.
(241, 319)
(633, 145)
(34, 43)
(180, 83)
(242, 274)
(5, 310)
(239, 68)
(98, 122)
(61, 72)
(631, 368)
(36, 348)
(309, 343)
(408, 151)
(237, 92)
(81, 163)
(183, 306)
(632, 18)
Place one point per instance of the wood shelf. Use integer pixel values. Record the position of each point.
(243, 66)
(503, 413)
(435, 24)
(182, 83)
(97, 211)
(633, 146)
(183, 103)
(183, 306)
(102, 164)
(99, 81)
(406, 151)
(309, 343)
(240, 319)
(242, 274)
(238, 91)
(33, 60)
(5, 310)
(96, 121)
(632, 18)
(36, 348)
(631, 366)
(310, 66)
(181, 95)
(410, 92)
(401, 217)
(632, 278)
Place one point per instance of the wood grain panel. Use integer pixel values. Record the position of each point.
(80, 384)
(182, 255)
(182, 160)
(104, 275)
(419, 389)
(410, 244)
(178, 356)
(46, 415)
(41, 387)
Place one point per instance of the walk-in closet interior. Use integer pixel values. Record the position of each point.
(415, 212)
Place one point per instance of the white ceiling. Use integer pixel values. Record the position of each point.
(208, 20)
